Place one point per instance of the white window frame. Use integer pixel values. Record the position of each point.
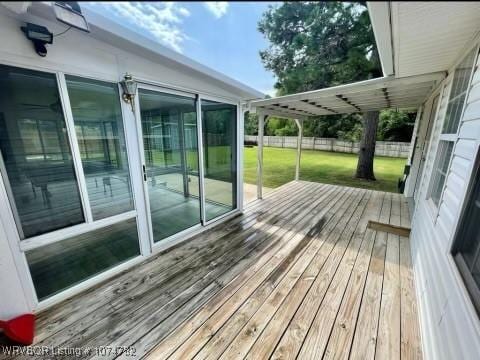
(24, 245)
(451, 137)
(195, 229)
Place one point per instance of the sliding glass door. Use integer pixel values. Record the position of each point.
(173, 189)
(219, 132)
(169, 134)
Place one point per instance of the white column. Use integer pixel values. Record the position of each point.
(261, 124)
(299, 147)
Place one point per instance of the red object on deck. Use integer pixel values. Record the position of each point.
(20, 329)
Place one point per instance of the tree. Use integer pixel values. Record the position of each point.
(280, 127)
(395, 125)
(314, 45)
(367, 146)
(251, 124)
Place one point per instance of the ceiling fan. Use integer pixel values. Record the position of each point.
(55, 107)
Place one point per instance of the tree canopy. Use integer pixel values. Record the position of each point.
(314, 45)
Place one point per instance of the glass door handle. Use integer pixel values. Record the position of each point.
(144, 173)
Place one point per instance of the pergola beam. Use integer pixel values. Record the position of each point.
(385, 94)
(345, 100)
(314, 106)
(411, 82)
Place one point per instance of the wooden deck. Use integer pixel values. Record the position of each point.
(298, 275)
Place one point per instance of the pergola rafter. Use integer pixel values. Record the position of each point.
(363, 96)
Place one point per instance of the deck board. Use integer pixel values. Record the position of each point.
(297, 275)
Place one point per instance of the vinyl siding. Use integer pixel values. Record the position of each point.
(450, 326)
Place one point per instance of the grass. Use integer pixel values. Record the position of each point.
(321, 166)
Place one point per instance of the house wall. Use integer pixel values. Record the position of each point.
(80, 54)
(382, 148)
(450, 325)
(94, 58)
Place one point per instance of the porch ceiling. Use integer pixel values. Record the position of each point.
(362, 96)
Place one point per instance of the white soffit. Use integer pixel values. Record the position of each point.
(430, 36)
(375, 94)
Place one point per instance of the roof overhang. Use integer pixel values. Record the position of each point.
(379, 13)
(117, 35)
(421, 37)
(363, 96)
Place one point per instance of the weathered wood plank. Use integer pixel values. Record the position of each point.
(155, 271)
(150, 299)
(388, 340)
(345, 324)
(72, 310)
(389, 228)
(320, 329)
(155, 334)
(410, 333)
(255, 326)
(364, 341)
(298, 275)
(237, 293)
(266, 343)
(215, 347)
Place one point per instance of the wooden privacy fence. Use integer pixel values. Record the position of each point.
(382, 148)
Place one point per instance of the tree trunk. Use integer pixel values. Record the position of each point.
(367, 146)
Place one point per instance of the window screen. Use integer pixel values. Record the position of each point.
(444, 153)
(466, 248)
(458, 93)
(36, 159)
(99, 127)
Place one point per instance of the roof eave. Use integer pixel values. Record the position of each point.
(117, 35)
(380, 17)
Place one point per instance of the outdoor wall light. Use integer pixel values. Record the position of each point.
(129, 87)
(40, 36)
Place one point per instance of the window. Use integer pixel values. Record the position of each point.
(458, 93)
(99, 127)
(219, 127)
(445, 149)
(36, 159)
(57, 266)
(466, 249)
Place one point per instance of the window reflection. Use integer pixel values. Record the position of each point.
(169, 129)
(37, 161)
(99, 127)
(220, 157)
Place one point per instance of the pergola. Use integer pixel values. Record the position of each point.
(363, 96)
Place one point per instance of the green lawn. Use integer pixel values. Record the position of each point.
(321, 166)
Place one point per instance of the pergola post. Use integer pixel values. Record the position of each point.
(261, 125)
(299, 147)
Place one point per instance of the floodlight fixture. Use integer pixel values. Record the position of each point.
(39, 35)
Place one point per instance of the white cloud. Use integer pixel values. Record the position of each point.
(160, 19)
(217, 8)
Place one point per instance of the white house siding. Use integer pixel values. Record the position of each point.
(450, 326)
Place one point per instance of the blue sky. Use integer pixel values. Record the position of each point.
(221, 35)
